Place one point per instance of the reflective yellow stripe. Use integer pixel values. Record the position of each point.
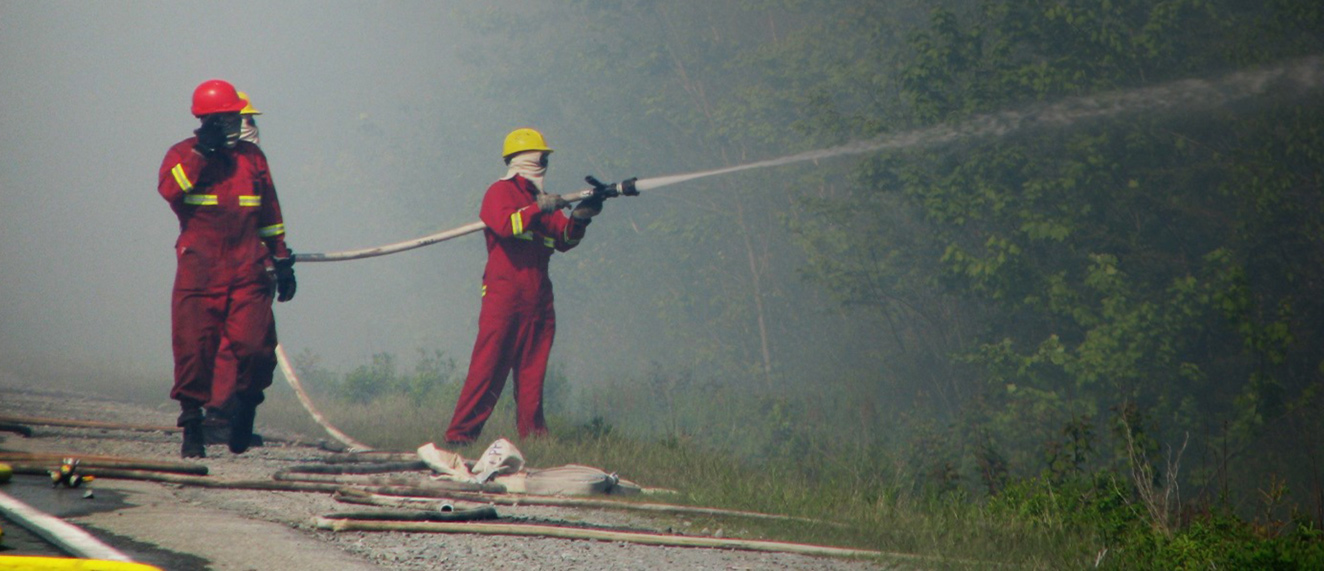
(180, 178)
(525, 235)
(269, 231)
(250, 200)
(200, 199)
(516, 223)
(549, 242)
(484, 291)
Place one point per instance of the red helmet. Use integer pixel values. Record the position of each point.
(216, 96)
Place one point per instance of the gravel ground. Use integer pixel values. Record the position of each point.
(384, 550)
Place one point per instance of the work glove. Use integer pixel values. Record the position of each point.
(551, 202)
(211, 135)
(285, 283)
(588, 208)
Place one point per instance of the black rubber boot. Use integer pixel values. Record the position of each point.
(195, 443)
(216, 426)
(241, 426)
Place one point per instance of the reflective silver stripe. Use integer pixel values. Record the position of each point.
(181, 179)
(269, 231)
(250, 200)
(200, 199)
(516, 224)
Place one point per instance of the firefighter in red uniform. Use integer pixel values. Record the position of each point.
(218, 410)
(516, 324)
(231, 255)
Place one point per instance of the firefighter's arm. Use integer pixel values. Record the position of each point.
(179, 173)
(567, 230)
(507, 210)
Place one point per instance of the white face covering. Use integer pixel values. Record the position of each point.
(527, 164)
(248, 130)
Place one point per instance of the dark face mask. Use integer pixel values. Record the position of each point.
(542, 160)
(228, 124)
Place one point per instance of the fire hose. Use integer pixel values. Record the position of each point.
(627, 187)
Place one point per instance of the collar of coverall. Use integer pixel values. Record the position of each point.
(526, 165)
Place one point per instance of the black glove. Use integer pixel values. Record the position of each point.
(211, 135)
(285, 283)
(551, 202)
(588, 208)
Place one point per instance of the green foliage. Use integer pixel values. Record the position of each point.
(432, 374)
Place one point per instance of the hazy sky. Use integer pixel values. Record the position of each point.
(95, 92)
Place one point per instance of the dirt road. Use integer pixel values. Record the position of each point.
(193, 528)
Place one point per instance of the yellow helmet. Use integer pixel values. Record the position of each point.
(521, 140)
(248, 105)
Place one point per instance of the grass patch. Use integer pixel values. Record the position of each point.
(863, 503)
(783, 456)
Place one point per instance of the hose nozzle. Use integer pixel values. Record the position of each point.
(612, 190)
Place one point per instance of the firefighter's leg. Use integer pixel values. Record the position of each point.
(223, 375)
(216, 423)
(535, 346)
(195, 319)
(251, 329)
(488, 368)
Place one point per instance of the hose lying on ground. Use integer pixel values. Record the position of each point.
(398, 482)
(370, 456)
(67, 537)
(594, 534)
(471, 514)
(293, 379)
(103, 425)
(405, 497)
(357, 468)
(208, 482)
(96, 469)
(101, 461)
(86, 424)
(19, 429)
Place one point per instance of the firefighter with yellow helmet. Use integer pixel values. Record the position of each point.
(525, 226)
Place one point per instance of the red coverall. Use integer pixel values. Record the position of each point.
(517, 322)
(230, 227)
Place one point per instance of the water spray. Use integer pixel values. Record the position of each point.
(1289, 79)
(1296, 77)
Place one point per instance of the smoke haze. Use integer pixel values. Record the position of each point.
(94, 95)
